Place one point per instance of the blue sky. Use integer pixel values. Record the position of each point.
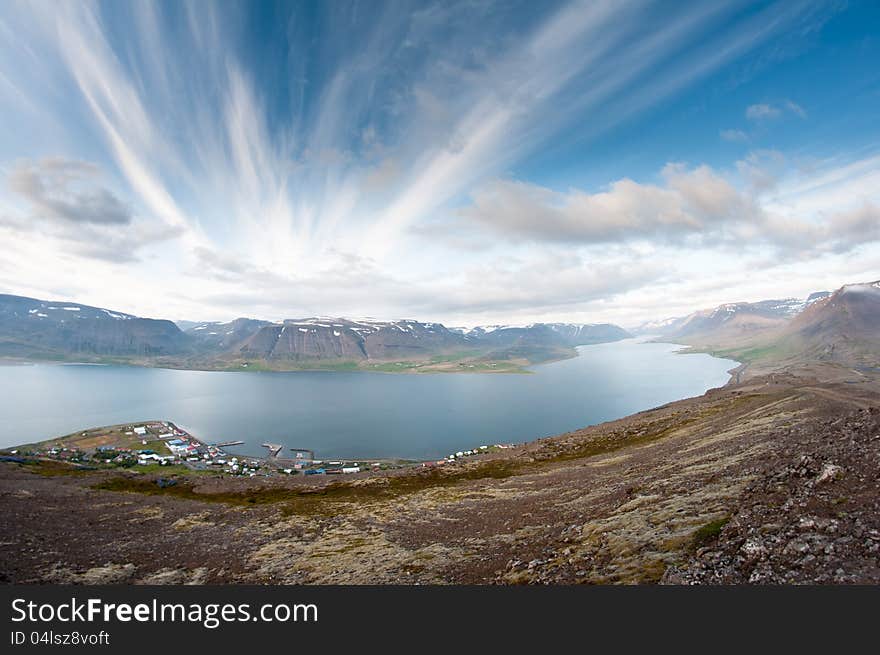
(469, 162)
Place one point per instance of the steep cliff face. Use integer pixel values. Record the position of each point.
(309, 339)
(303, 341)
(32, 328)
(39, 328)
(853, 311)
(328, 338)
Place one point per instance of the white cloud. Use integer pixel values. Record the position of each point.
(733, 135)
(690, 202)
(694, 206)
(762, 169)
(67, 190)
(796, 109)
(761, 112)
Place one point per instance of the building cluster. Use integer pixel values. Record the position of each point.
(163, 443)
(319, 467)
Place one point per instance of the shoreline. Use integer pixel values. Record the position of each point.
(196, 455)
(517, 369)
(633, 500)
(257, 453)
(735, 373)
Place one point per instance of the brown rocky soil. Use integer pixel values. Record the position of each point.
(773, 480)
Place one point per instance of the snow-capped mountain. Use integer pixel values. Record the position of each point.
(740, 316)
(341, 338)
(41, 328)
(570, 334)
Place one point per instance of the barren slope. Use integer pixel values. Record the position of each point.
(673, 494)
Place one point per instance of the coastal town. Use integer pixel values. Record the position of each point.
(162, 446)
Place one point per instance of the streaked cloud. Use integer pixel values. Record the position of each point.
(415, 158)
(796, 109)
(761, 112)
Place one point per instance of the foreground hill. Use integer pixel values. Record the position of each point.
(33, 329)
(772, 481)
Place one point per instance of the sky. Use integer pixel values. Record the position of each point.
(468, 162)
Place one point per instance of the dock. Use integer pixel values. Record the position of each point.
(303, 453)
(274, 448)
(228, 443)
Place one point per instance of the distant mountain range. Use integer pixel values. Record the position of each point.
(32, 328)
(732, 317)
(842, 327)
(39, 329)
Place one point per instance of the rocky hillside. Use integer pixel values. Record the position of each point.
(844, 326)
(768, 480)
(772, 481)
(732, 319)
(40, 328)
(840, 328)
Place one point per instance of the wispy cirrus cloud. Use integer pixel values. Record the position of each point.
(761, 111)
(316, 159)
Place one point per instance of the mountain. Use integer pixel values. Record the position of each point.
(569, 334)
(216, 336)
(539, 342)
(842, 327)
(346, 339)
(41, 329)
(839, 328)
(739, 317)
(187, 325)
(818, 295)
(731, 320)
(408, 340)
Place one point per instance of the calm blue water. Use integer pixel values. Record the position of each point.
(357, 415)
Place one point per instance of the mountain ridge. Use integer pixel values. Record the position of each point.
(33, 329)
